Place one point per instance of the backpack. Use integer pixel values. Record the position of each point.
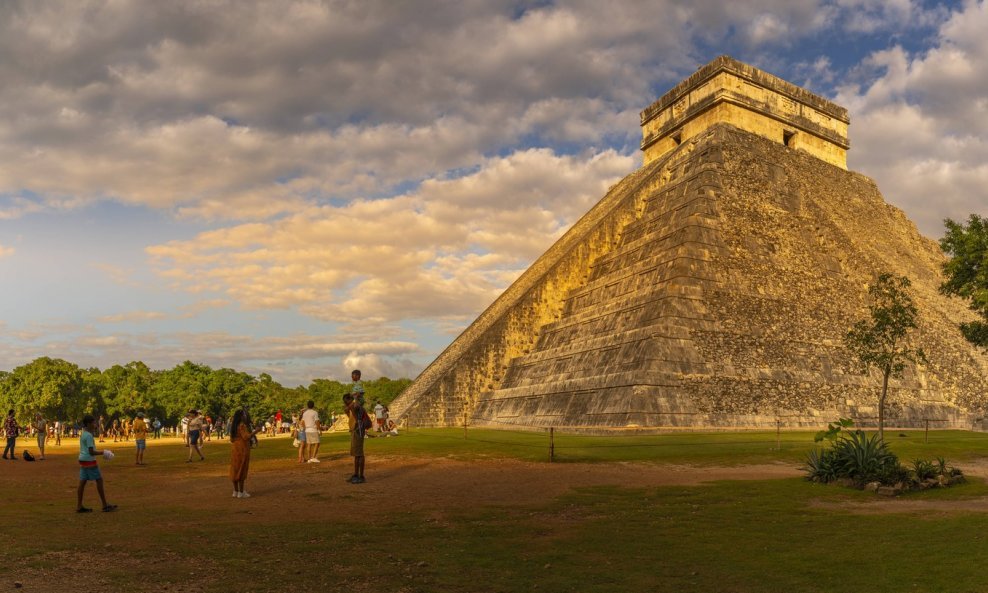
(27, 455)
(365, 421)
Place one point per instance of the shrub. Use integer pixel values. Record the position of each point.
(863, 458)
(856, 456)
(926, 470)
(893, 474)
(860, 458)
(821, 466)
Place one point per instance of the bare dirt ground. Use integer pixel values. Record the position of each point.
(392, 482)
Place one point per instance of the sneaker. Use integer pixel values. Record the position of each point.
(83, 510)
(361, 480)
(314, 460)
(236, 494)
(244, 495)
(109, 508)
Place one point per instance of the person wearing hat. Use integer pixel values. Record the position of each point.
(140, 430)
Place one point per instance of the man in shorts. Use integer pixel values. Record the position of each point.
(354, 415)
(379, 416)
(140, 436)
(310, 418)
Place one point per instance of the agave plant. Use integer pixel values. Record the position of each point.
(819, 465)
(926, 470)
(863, 458)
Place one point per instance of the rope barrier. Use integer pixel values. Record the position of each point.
(557, 439)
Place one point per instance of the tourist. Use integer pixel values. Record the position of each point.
(101, 428)
(11, 430)
(58, 432)
(277, 421)
(355, 415)
(156, 425)
(300, 435)
(357, 387)
(195, 433)
(41, 431)
(140, 437)
(241, 434)
(310, 419)
(379, 416)
(88, 468)
(115, 429)
(184, 427)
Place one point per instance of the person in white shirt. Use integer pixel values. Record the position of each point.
(379, 417)
(310, 417)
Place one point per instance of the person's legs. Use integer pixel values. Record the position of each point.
(82, 489)
(360, 465)
(12, 447)
(102, 494)
(42, 436)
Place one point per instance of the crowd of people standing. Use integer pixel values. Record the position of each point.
(196, 428)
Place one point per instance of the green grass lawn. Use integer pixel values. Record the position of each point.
(305, 530)
(698, 448)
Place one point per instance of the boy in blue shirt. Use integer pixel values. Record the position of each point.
(88, 468)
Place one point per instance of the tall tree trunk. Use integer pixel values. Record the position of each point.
(881, 403)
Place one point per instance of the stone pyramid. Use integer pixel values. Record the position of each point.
(712, 288)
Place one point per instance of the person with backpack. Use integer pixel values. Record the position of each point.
(360, 423)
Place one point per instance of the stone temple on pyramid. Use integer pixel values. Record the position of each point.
(712, 288)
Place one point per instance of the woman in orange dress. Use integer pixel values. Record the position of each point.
(241, 434)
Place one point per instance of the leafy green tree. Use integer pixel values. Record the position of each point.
(181, 388)
(967, 272)
(883, 341)
(127, 389)
(51, 386)
(328, 394)
(60, 389)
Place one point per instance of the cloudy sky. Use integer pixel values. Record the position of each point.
(298, 188)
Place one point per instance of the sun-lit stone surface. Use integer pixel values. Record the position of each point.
(728, 91)
(709, 289)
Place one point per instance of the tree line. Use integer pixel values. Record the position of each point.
(59, 389)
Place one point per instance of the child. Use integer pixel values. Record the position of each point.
(357, 387)
(88, 469)
(355, 416)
